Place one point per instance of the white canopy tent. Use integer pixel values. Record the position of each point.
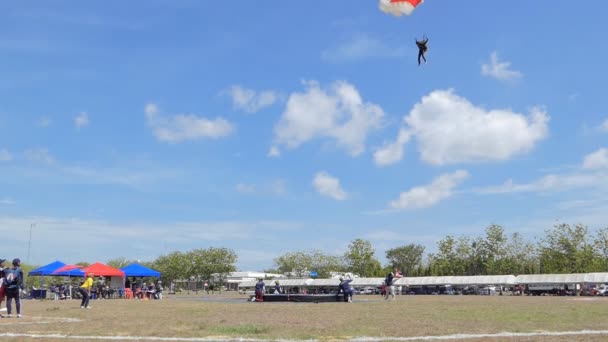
(575, 278)
(596, 278)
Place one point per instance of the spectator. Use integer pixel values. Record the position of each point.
(13, 281)
(159, 290)
(2, 288)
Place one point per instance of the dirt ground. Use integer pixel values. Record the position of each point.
(232, 317)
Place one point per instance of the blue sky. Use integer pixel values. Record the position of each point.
(135, 129)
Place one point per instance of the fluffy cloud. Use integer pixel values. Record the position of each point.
(392, 152)
(5, 155)
(499, 70)
(450, 129)
(426, 196)
(249, 100)
(182, 127)
(329, 186)
(597, 159)
(592, 173)
(81, 120)
(362, 47)
(337, 113)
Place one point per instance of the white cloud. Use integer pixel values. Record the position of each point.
(6, 201)
(604, 126)
(81, 120)
(499, 70)
(427, 196)
(245, 188)
(362, 47)
(391, 153)
(251, 101)
(338, 113)
(591, 174)
(39, 155)
(329, 186)
(44, 122)
(182, 127)
(551, 182)
(5, 155)
(450, 129)
(597, 159)
(274, 152)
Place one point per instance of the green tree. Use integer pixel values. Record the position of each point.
(173, 266)
(120, 262)
(442, 263)
(296, 263)
(493, 250)
(601, 246)
(521, 256)
(361, 259)
(406, 258)
(300, 263)
(567, 249)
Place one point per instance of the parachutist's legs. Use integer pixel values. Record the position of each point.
(420, 55)
(424, 58)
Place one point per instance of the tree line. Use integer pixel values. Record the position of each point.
(562, 249)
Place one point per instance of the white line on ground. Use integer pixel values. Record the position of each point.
(356, 339)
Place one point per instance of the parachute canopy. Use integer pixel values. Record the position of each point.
(399, 7)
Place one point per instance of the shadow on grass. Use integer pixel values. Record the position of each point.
(243, 329)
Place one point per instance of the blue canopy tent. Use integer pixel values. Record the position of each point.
(47, 270)
(137, 270)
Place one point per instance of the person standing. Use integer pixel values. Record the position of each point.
(259, 290)
(390, 287)
(85, 291)
(2, 287)
(13, 281)
(345, 288)
(277, 288)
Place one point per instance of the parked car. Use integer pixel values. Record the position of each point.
(601, 290)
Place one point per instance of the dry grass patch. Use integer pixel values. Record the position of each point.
(369, 316)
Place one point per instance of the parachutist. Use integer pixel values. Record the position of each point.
(422, 48)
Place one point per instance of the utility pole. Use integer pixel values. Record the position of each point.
(29, 244)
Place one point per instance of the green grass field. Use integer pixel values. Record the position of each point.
(229, 316)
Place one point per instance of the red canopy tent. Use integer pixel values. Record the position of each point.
(100, 269)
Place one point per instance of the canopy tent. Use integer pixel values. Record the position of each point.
(47, 270)
(575, 278)
(137, 270)
(100, 269)
(282, 282)
(69, 271)
(597, 278)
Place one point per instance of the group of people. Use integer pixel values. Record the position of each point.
(260, 289)
(11, 285)
(389, 287)
(145, 290)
